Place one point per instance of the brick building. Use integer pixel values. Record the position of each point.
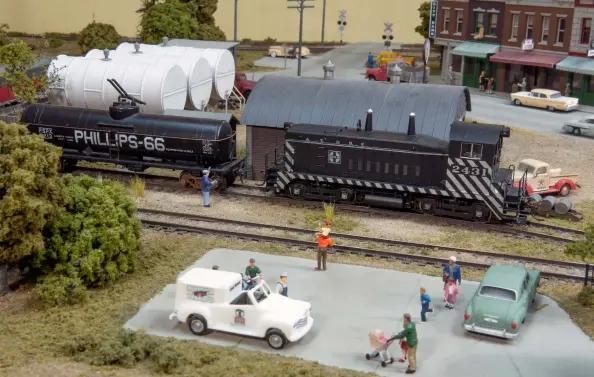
(451, 31)
(536, 36)
(578, 67)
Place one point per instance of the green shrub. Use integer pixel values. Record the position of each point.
(210, 33)
(246, 40)
(98, 35)
(171, 19)
(93, 243)
(586, 296)
(55, 42)
(269, 40)
(55, 290)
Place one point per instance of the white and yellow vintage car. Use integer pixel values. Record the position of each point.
(552, 100)
(289, 51)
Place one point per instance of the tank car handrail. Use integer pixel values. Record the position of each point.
(127, 126)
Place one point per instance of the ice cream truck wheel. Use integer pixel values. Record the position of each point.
(276, 339)
(197, 324)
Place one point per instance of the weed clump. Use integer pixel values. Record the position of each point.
(586, 296)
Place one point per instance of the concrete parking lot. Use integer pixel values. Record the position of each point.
(349, 301)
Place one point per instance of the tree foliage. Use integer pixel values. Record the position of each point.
(4, 34)
(210, 33)
(203, 10)
(583, 249)
(171, 19)
(98, 35)
(18, 58)
(423, 28)
(30, 191)
(93, 243)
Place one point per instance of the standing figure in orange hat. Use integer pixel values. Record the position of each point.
(324, 242)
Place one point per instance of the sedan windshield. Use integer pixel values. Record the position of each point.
(499, 293)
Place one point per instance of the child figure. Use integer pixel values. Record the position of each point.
(490, 86)
(404, 348)
(425, 300)
(451, 292)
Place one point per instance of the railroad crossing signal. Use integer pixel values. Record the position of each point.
(387, 36)
(342, 22)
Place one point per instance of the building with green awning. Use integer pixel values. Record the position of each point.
(475, 59)
(579, 82)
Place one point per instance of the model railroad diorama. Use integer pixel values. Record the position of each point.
(143, 109)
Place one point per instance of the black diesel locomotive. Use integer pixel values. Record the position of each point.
(124, 136)
(458, 178)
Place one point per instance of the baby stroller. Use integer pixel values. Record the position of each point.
(380, 345)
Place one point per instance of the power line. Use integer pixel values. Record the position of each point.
(301, 7)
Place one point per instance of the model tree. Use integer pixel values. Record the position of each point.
(98, 35)
(30, 194)
(204, 11)
(171, 19)
(93, 244)
(18, 58)
(423, 28)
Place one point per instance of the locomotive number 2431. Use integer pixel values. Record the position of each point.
(457, 169)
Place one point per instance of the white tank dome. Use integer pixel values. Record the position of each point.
(161, 85)
(56, 74)
(197, 70)
(221, 61)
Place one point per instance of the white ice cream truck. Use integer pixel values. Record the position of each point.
(214, 300)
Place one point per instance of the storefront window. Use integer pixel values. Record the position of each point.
(456, 63)
(576, 85)
(513, 73)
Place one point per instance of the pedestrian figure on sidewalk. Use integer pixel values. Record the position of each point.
(490, 86)
(410, 334)
(451, 292)
(482, 81)
(281, 286)
(425, 300)
(206, 188)
(450, 76)
(452, 270)
(324, 242)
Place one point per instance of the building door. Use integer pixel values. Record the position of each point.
(468, 73)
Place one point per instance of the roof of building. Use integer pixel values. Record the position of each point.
(224, 45)
(279, 99)
(230, 118)
(476, 132)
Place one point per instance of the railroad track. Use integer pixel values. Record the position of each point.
(572, 271)
(171, 184)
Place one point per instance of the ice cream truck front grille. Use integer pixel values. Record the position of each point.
(301, 323)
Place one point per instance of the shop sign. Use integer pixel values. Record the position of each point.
(433, 19)
(528, 44)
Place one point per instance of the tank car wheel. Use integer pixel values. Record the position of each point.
(427, 206)
(480, 213)
(187, 180)
(565, 190)
(297, 190)
(230, 178)
(66, 166)
(346, 195)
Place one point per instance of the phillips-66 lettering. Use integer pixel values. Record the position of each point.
(119, 140)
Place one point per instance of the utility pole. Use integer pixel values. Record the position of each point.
(235, 31)
(323, 23)
(342, 23)
(301, 7)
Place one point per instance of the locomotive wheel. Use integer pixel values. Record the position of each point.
(427, 206)
(480, 213)
(297, 190)
(346, 195)
(187, 180)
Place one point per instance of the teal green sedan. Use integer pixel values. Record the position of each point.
(500, 304)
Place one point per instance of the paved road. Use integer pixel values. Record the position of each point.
(349, 301)
(349, 64)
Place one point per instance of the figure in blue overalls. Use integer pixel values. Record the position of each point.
(370, 60)
(281, 286)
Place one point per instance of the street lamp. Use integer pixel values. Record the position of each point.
(341, 23)
(387, 36)
(301, 7)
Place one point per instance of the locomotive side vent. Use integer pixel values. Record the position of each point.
(411, 125)
(369, 121)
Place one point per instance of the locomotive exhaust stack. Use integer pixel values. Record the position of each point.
(369, 121)
(411, 125)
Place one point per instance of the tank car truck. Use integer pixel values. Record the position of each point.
(138, 141)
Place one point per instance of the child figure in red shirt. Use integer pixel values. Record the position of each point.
(490, 86)
(404, 348)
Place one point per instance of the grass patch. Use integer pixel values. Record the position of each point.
(339, 224)
(91, 333)
(245, 62)
(137, 187)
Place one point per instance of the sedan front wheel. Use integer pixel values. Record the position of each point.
(517, 102)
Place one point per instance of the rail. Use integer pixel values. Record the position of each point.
(589, 275)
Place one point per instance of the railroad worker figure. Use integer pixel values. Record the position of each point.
(452, 271)
(281, 285)
(324, 242)
(410, 334)
(206, 187)
(252, 271)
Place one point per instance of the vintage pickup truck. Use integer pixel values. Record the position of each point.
(542, 179)
(214, 300)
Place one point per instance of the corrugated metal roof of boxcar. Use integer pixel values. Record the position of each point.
(476, 132)
(279, 99)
